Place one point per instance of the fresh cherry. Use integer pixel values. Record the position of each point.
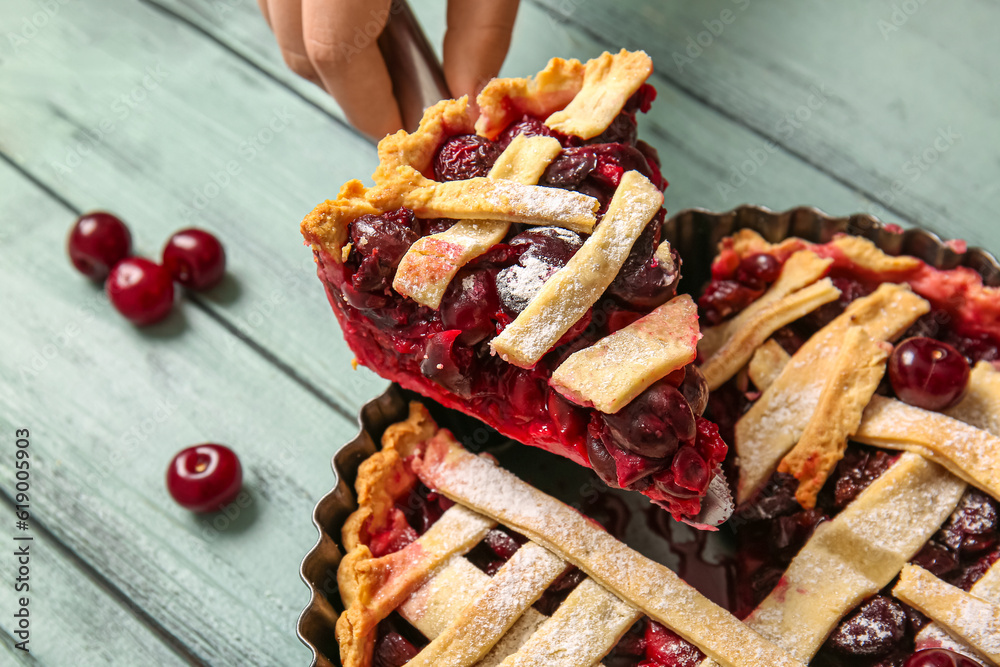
(939, 657)
(195, 258)
(140, 290)
(465, 156)
(928, 373)
(97, 242)
(205, 478)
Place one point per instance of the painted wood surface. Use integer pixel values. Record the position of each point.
(179, 112)
(69, 614)
(896, 98)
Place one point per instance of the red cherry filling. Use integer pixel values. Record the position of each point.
(469, 305)
(195, 258)
(939, 657)
(542, 252)
(205, 478)
(645, 282)
(378, 242)
(928, 373)
(397, 642)
(664, 648)
(875, 628)
(724, 298)
(465, 156)
(758, 270)
(97, 242)
(140, 290)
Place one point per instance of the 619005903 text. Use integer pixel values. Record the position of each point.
(22, 539)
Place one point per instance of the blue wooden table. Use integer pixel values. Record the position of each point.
(180, 112)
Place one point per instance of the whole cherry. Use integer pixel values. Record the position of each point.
(928, 373)
(97, 242)
(205, 478)
(195, 258)
(141, 290)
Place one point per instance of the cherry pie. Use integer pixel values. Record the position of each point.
(514, 269)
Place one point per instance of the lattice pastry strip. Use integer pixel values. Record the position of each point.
(853, 379)
(619, 367)
(383, 583)
(608, 82)
(427, 268)
(726, 347)
(584, 628)
(487, 199)
(856, 554)
(970, 618)
(503, 600)
(777, 420)
(966, 451)
(933, 635)
(965, 440)
(573, 289)
(654, 589)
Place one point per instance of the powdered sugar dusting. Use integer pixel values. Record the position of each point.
(540, 205)
(656, 590)
(971, 453)
(857, 553)
(967, 617)
(583, 629)
(505, 597)
(573, 289)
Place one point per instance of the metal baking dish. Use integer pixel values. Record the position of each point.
(695, 233)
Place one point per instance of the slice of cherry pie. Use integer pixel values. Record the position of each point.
(514, 269)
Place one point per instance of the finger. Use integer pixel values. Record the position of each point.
(476, 43)
(263, 10)
(286, 21)
(340, 37)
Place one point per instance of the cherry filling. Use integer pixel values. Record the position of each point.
(658, 444)
(929, 368)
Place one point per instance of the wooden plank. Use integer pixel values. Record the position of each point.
(108, 404)
(127, 109)
(897, 99)
(73, 620)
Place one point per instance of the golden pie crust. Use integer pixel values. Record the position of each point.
(622, 584)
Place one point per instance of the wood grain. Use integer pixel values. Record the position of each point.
(73, 619)
(858, 92)
(109, 404)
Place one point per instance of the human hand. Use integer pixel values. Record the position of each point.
(333, 44)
